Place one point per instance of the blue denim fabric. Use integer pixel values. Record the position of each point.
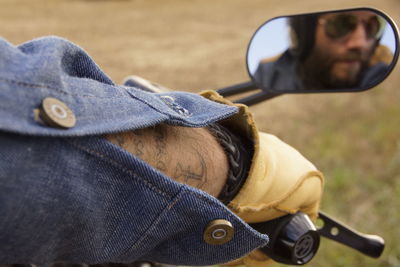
(70, 195)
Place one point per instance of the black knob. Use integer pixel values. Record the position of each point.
(293, 238)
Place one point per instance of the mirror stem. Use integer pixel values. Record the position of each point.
(256, 98)
(237, 89)
(243, 88)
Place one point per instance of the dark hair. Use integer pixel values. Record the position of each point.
(303, 34)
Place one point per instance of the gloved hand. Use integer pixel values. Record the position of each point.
(280, 179)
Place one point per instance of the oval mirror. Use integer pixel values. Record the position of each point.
(335, 51)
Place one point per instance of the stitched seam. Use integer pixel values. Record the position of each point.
(153, 225)
(119, 166)
(309, 175)
(180, 194)
(170, 206)
(173, 118)
(156, 109)
(210, 202)
(95, 116)
(231, 216)
(32, 85)
(312, 215)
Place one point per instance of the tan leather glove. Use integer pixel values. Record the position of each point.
(280, 179)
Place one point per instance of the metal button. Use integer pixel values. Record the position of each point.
(56, 113)
(218, 232)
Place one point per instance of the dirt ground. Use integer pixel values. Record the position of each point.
(201, 44)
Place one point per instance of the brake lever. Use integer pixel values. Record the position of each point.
(370, 245)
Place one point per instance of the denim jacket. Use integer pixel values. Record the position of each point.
(70, 195)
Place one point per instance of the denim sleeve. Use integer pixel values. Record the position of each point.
(70, 195)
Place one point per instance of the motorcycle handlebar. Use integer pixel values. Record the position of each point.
(294, 239)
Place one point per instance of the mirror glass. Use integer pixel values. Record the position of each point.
(345, 50)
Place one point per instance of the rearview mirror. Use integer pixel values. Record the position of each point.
(335, 51)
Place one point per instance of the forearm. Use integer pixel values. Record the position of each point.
(69, 195)
(188, 155)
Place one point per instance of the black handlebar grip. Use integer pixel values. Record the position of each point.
(294, 239)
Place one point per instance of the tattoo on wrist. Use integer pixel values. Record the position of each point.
(186, 155)
(195, 177)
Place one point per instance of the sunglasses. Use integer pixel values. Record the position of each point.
(342, 24)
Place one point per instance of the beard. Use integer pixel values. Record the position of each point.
(320, 70)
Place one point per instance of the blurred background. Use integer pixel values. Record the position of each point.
(201, 44)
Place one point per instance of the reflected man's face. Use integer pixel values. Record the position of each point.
(343, 45)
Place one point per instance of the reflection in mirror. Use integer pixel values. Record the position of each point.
(331, 51)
